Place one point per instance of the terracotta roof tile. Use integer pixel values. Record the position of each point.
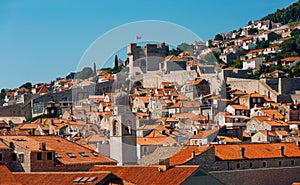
(66, 178)
(240, 107)
(185, 154)
(164, 141)
(7, 177)
(256, 151)
(61, 146)
(205, 133)
(150, 175)
(271, 112)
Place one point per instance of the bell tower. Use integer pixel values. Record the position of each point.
(123, 131)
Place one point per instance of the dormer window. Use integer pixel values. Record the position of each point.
(71, 155)
(94, 153)
(83, 154)
(57, 156)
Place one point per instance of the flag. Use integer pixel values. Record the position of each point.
(138, 37)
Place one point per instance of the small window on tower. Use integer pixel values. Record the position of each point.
(49, 156)
(39, 156)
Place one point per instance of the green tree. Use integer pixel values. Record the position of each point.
(27, 85)
(185, 47)
(252, 31)
(85, 73)
(296, 70)
(219, 37)
(285, 15)
(175, 52)
(262, 44)
(2, 94)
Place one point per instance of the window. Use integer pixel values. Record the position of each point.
(279, 163)
(264, 164)
(57, 156)
(71, 155)
(250, 165)
(14, 156)
(83, 154)
(94, 153)
(292, 162)
(238, 165)
(115, 128)
(258, 100)
(0, 156)
(39, 156)
(21, 158)
(49, 156)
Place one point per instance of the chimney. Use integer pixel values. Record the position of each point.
(42, 146)
(163, 164)
(193, 154)
(242, 152)
(282, 151)
(267, 133)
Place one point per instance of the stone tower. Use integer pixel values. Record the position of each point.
(146, 58)
(123, 131)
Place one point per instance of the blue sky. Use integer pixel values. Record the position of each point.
(42, 40)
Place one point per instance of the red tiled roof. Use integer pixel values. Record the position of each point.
(205, 133)
(165, 141)
(290, 59)
(271, 112)
(262, 118)
(255, 51)
(149, 175)
(185, 154)
(256, 151)
(198, 81)
(6, 176)
(66, 178)
(240, 107)
(61, 146)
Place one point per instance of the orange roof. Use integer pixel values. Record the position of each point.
(174, 58)
(66, 178)
(290, 59)
(262, 118)
(255, 51)
(274, 123)
(176, 105)
(163, 141)
(171, 120)
(271, 112)
(238, 92)
(254, 95)
(240, 107)
(155, 133)
(43, 90)
(144, 99)
(205, 133)
(198, 81)
(6, 176)
(245, 134)
(270, 133)
(185, 154)
(256, 151)
(61, 146)
(148, 175)
(228, 139)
